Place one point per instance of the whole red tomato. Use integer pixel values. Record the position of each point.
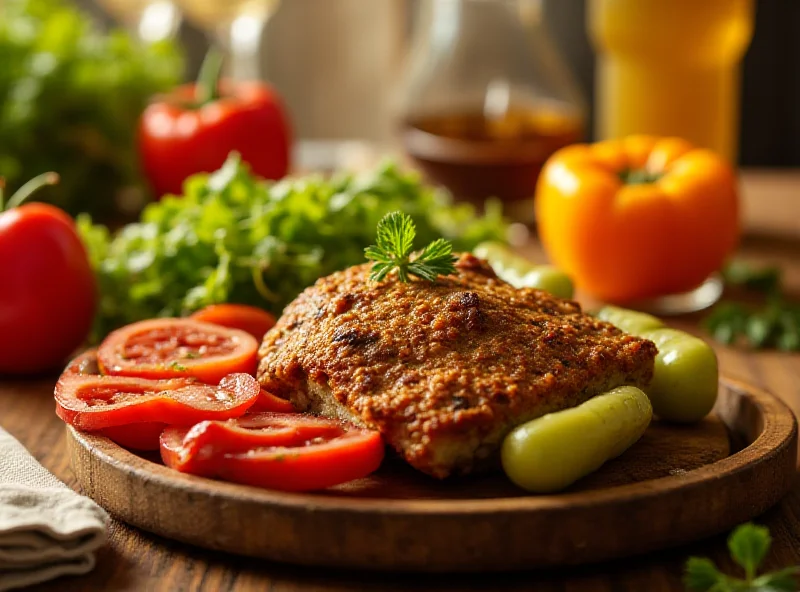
(179, 137)
(47, 293)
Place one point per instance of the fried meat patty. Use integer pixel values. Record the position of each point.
(444, 370)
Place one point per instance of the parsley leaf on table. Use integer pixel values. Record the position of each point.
(392, 251)
(774, 323)
(748, 546)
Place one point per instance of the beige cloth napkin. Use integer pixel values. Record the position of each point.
(46, 529)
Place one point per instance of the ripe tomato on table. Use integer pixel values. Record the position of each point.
(195, 128)
(48, 293)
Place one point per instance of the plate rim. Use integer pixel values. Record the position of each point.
(778, 432)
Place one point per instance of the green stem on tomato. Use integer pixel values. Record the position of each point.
(639, 176)
(29, 188)
(207, 87)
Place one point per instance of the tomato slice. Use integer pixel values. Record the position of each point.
(177, 348)
(136, 436)
(290, 452)
(268, 402)
(254, 320)
(97, 402)
(84, 364)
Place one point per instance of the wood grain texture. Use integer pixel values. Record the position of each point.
(400, 520)
(137, 561)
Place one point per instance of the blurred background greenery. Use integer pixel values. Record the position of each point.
(69, 97)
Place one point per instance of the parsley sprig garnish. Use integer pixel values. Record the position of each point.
(748, 545)
(393, 250)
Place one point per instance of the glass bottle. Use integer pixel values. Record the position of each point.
(671, 67)
(487, 99)
(149, 20)
(237, 26)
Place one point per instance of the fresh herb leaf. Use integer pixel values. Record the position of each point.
(748, 545)
(789, 339)
(392, 251)
(436, 259)
(774, 323)
(784, 580)
(761, 279)
(702, 575)
(760, 327)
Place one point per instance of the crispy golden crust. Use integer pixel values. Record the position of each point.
(444, 370)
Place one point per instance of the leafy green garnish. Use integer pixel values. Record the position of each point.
(234, 238)
(70, 99)
(774, 323)
(762, 279)
(394, 243)
(748, 546)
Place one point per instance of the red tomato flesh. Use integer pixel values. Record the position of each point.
(177, 348)
(269, 402)
(97, 402)
(255, 321)
(136, 436)
(289, 452)
(84, 364)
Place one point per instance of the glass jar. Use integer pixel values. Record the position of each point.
(487, 99)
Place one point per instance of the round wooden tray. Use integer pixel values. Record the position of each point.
(677, 484)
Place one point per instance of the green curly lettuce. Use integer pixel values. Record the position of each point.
(234, 238)
(70, 99)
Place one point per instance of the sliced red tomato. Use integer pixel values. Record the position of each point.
(98, 402)
(268, 402)
(177, 348)
(84, 364)
(254, 320)
(136, 436)
(290, 452)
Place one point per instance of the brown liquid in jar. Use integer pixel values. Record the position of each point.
(476, 157)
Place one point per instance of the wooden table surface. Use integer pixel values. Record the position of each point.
(133, 560)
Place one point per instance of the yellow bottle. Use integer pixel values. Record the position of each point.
(671, 67)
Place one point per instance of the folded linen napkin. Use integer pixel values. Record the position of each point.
(46, 529)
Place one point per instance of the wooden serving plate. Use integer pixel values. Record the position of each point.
(677, 484)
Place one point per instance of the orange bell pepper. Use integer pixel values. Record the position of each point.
(638, 217)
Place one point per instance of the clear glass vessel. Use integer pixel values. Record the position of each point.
(149, 20)
(237, 26)
(487, 99)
